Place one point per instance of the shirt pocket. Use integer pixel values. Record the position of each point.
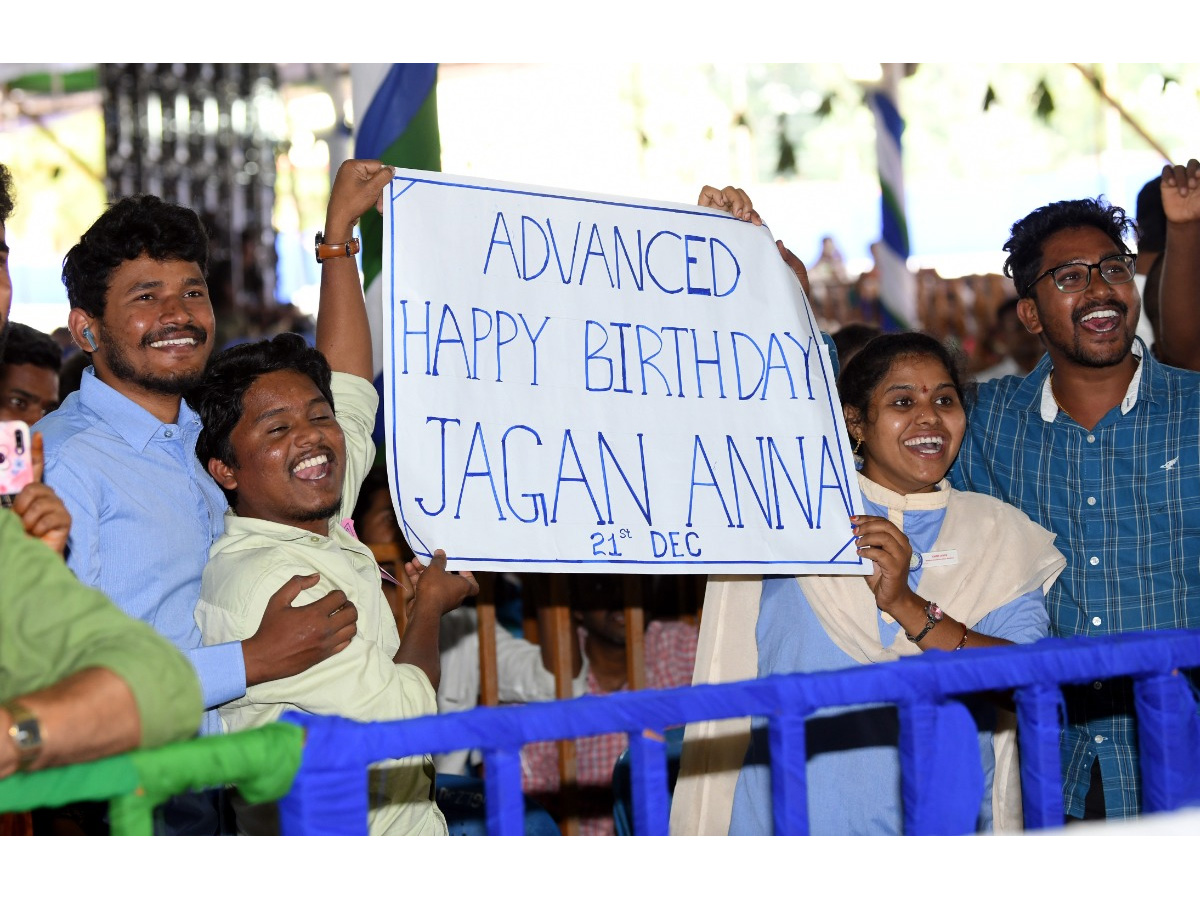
(1171, 492)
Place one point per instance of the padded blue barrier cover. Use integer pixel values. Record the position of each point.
(1168, 735)
(942, 780)
(624, 792)
(329, 793)
(1040, 714)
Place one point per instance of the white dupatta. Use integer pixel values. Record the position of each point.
(1002, 554)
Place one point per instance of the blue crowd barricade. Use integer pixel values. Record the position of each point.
(623, 790)
(329, 794)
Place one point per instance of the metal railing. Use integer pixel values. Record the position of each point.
(316, 766)
(262, 762)
(922, 688)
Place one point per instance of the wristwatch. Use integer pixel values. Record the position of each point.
(933, 615)
(25, 732)
(326, 251)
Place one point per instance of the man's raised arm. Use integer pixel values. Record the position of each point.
(1178, 336)
(343, 331)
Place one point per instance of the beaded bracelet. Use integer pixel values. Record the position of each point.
(963, 642)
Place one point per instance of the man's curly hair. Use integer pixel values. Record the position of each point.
(1024, 247)
(127, 229)
(29, 347)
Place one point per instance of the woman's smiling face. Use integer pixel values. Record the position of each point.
(914, 426)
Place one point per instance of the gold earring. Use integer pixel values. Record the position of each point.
(857, 444)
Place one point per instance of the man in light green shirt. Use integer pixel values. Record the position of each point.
(291, 472)
(82, 666)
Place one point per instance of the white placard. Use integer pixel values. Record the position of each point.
(576, 380)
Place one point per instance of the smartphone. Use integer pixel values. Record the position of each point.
(16, 460)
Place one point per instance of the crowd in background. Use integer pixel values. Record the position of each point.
(966, 312)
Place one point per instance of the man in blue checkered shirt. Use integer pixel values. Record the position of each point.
(1100, 444)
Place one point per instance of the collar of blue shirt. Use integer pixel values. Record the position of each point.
(1049, 406)
(135, 425)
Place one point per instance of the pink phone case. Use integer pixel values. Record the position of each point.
(16, 458)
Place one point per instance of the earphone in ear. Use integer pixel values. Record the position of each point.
(90, 338)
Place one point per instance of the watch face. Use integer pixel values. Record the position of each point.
(28, 733)
(25, 733)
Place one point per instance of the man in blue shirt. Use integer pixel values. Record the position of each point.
(121, 454)
(1100, 444)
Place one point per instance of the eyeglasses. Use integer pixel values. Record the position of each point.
(1075, 277)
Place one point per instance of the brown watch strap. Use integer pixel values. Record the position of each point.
(334, 251)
